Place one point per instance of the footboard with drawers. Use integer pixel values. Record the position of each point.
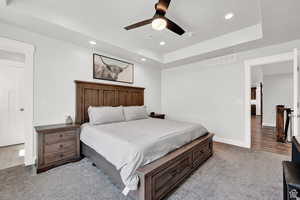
(160, 178)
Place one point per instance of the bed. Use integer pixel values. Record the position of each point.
(167, 153)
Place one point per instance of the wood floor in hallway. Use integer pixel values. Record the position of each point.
(264, 139)
(11, 156)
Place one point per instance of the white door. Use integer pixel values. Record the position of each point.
(11, 110)
(296, 115)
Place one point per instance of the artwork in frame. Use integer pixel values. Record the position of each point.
(111, 69)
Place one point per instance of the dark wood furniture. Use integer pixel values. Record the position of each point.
(295, 150)
(253, 109)
(253, 97)
(261, 102)
(291, 173)
(157, 179)
(280, 134)
(156, 115)
(99, 94)
(291, 180)
(253, 93)
(57, 144)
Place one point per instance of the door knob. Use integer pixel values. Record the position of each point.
(21, 109)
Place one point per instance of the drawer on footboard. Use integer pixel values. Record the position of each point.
(165, 180)
(201, 153)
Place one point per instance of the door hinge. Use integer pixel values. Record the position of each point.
(298, 69)
(298, 104)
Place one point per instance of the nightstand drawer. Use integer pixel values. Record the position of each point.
(52, 138)
(65, 146)
(59, 156)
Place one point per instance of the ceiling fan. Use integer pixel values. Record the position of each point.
(159, 21)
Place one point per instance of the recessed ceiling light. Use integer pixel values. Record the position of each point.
(93, 43)
(229, 16)
(162, 43)
(143, 59)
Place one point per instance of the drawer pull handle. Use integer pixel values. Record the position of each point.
(61, 135)
(175, 172)
(61, 146)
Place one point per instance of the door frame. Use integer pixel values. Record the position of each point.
(28, 50)
(247, 96)
(261, 103)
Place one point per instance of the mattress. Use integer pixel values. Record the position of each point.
(132, 144)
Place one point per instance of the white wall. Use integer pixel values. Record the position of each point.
(206, 94)
(213, 94)
(278, 90)
(57, 64)
(256, 75)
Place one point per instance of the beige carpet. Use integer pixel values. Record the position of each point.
(232, 173)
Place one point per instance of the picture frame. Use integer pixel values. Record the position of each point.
(111, 69)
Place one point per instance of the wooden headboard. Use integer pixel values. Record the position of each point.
(99, 94)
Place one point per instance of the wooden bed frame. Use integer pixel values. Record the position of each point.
(157, 179)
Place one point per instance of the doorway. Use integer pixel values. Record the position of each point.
(16, 99)
(11, 109)
(271, 86)
(249, 64)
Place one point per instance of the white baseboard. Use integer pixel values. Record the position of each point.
(231, 142)
(269, 124)
(30, 161)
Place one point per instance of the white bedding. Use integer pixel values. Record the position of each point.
(129, 145)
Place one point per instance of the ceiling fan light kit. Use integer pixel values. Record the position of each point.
(159, 21)
(159, 24)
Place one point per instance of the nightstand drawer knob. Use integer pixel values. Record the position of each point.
(61, 155)
(61, 135)
(61, 146)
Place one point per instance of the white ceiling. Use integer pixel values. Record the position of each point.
(256, 22)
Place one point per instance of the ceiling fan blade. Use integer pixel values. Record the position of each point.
(163, 5)
(139, 24)
(172, 26)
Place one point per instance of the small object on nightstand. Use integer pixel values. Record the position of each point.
(158, 116)
(57, 145)
(69, 119)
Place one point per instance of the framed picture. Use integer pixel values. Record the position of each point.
(111, 69)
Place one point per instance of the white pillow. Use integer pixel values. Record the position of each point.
(104, 115)
(135, 112)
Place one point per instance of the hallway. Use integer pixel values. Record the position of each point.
(264, 139)
(11, 156)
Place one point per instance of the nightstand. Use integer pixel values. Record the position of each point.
(57, 145)
(158, 116)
